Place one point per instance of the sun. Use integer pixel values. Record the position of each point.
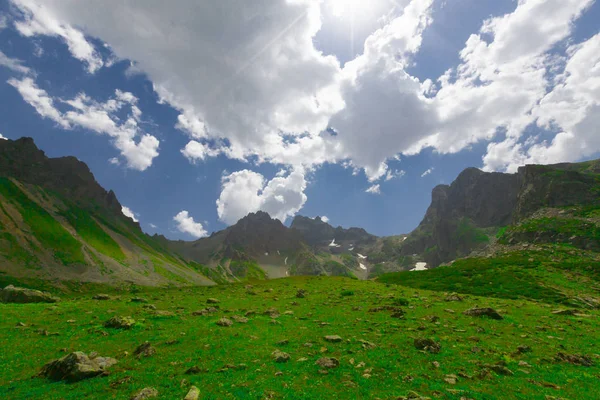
(348, 8)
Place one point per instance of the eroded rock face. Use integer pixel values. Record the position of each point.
(76, 366)
(12, 294)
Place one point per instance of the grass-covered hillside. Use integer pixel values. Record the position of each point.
(307, 338)
(44, 235)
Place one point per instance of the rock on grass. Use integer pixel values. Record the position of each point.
(144, 350)
(76, 366)
(428, 345)
(224, 322)
(484, 312)
(280, 356)
(193, 394)
(333, 338)
(145, 393)
(12, 294)
(119, 322)
(327, 362)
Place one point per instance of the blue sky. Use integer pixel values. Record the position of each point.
(283, 106)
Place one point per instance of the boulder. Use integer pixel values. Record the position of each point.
(333, 338)
(193, 394)
(280, 356)
(101, 297)
(575, 359)
(12, 294)
(212, 301)
(484, 312)
(145, 393)
(144, 350)
(224, 322)
(428, 345)
(76, 366)
(328, 362)
(118, 322)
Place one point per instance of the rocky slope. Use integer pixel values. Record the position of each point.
(57, 223)
(466, 215)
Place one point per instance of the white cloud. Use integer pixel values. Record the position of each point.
(114, 161)
(394, 174)
(572, 108)
(429, 171)
(214, 67)
(195, 151)
(138, 148)
(129, 214)
(3, 21)
(375, 189)
(324, 219)
(246, 191)
(41, 20)
(186, 224)
(152, 226)
(13, 64)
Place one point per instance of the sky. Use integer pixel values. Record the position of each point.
(197, 113)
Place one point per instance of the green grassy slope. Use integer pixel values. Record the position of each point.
(377, 355)
(43, 235)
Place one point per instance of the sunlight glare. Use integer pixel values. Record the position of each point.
(346, 8)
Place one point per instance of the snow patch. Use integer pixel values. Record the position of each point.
(333, 243)
(285, 261)
(362, 266)
(266, 254)
(361, 256)
(420, 266)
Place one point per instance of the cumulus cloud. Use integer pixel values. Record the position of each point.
(138, 148)
(37, 19)
(394, 174)
(250, 82)
(247, 191)
(186, 224)
(13, 64)
(375, 189)
(129, 214)
(429, 171)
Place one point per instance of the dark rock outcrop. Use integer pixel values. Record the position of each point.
(12, 294)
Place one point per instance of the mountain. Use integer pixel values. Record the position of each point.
(57, 223)
(467, 215)
(258, 246)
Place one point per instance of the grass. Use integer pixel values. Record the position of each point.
(92, 233)
(47, 230)
(394, 367)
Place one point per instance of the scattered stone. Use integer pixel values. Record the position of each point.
(239, 319)
(101, 297)
(138, 300)
(250, 313)
(198, 313)
(499, 369)
(328, 362)
(144, 350)
(151, 307)
(212, 301)
(272, 312)
(301, 294)
(575, 359)
(524, 349)
(145, 393)
(435, 364)
(76, 366)
(484, 312)
(224, 322)
(193, 394)
(333, 338)
(453, 297)
(194, 370)
(280, 356)
(283, 342)
(12, 294)
(428, 345)
(565, 312)
(278, 373)
(451, 379)
(164, 313)
(119, 322)
(367, 345)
